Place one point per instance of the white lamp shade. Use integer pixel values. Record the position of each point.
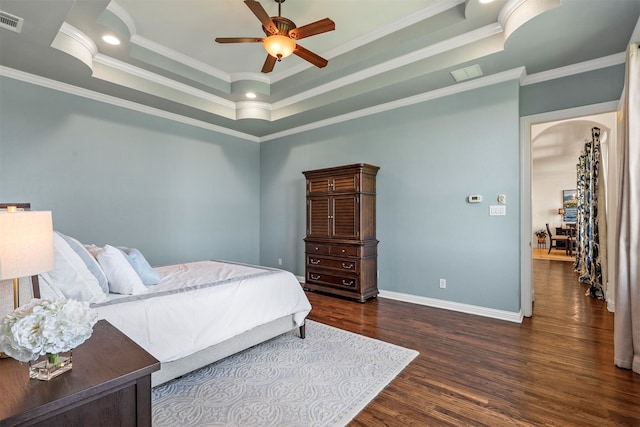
(26, 243)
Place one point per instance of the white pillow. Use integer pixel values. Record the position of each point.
(89, 260)
(147, 274)
(70, 276)
(123, 279)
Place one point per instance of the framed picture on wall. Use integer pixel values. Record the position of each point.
(570, 205)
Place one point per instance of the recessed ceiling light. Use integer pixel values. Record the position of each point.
(250, 95)
(485, 1)
(112, 40)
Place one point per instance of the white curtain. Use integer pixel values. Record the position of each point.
(627, 315)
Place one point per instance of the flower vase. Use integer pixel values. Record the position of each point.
(50, 366)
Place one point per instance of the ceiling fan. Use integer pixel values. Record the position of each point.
(281, 35)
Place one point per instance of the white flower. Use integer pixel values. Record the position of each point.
(44, 326)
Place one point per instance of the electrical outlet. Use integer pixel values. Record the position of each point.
(279, 261)
(443, 283)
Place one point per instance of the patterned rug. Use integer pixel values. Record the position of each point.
(322, 380)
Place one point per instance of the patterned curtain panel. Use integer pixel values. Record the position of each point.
(588, 254)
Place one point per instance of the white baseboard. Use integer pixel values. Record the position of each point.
(449, 305)
(454, 306)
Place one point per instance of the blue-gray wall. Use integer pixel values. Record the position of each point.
(588, 88)
(431, 157)
(112, 175)
(180, 193)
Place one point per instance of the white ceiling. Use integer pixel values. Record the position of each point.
(381, 52)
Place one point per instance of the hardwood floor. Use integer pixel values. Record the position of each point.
(555, 255)
(556, 368)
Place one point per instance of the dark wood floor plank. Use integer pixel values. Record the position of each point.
(555, 368)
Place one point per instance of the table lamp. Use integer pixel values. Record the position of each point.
(561, 213)
(26, 245)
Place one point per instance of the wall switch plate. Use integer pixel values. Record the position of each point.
(443, 283)
(497, 210)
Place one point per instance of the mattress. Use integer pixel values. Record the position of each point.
(200, 304)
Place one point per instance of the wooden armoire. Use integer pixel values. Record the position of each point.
(341, 249)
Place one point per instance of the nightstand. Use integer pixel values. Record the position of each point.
(109, 385)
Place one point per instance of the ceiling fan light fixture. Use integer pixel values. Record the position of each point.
(279, 46)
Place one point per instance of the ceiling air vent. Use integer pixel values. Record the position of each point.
(10, 22)
(467, 73)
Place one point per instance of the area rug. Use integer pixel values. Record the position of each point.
(322, 380)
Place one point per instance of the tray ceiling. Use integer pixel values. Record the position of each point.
(381, 53)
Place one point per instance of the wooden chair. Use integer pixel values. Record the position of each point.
(554, 239)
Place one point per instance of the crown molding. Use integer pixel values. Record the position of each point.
(80, 37)
(118, 102)
(173, 55)
(122, 15)
(514, 74)
(161, 80)
(569, 70)
(428, 12)
(425, 13)
(392, 64)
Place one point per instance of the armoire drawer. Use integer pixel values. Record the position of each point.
(344, 250)
(316, 248)
(336, 250)
(346, 265)
(314, 276)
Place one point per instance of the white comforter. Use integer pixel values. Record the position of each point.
(200, 304)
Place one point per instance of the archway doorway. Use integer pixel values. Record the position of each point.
(556, 123)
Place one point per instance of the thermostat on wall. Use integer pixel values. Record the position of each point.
(475, 198)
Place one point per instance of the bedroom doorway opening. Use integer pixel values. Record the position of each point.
(551, 143)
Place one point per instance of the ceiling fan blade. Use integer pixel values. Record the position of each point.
(307, 55)
(238, 39)
(318, 27)
(269, 63)
(262, 15)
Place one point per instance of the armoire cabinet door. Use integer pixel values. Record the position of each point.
(334, 184)
(318, 217)
(346, 217)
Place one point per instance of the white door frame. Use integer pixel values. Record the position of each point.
(526, 261)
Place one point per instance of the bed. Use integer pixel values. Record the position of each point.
(185, 315)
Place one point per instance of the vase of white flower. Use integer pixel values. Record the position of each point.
(46, 328)
(50, 365)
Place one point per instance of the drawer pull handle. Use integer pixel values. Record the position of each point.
(343, 251)
(347, 266)
(317, 248)
(314, 277)
(314, 261)
(349, 283)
